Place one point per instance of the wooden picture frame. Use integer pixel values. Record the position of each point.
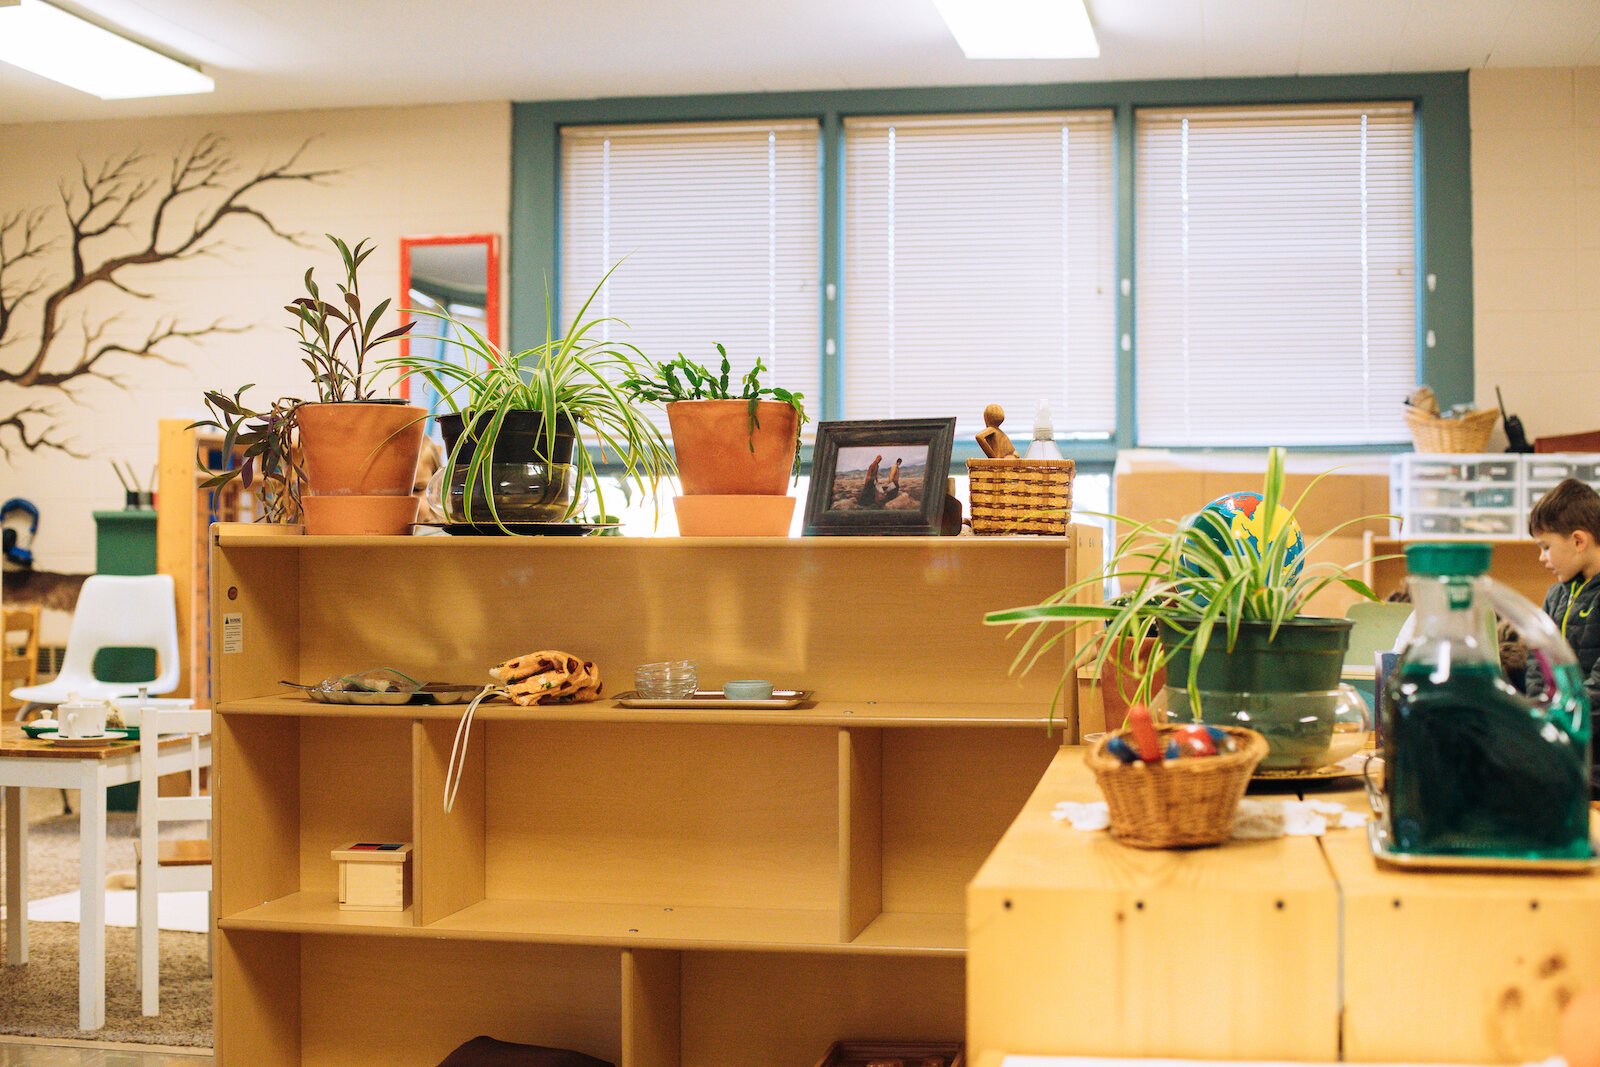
(901, 466)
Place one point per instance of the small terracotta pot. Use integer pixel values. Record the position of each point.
(371, 516)
(360, 449)
(713, 439)
(1119, 678)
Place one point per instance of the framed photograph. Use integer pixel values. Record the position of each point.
(880, 477)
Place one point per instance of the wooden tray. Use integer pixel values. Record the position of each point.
(910, 1053)
(781, 699)
(1378, 841)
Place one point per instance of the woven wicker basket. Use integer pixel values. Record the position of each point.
(1021, 496)
(1182, 803)
(1469, 433)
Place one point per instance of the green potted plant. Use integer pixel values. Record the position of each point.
(520, 424)
(731, 437)
(737, 444)
(346, 461)
(1223, 597)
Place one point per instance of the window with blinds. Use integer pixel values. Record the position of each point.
(1276, 274)
(979, 268)
(718, 230)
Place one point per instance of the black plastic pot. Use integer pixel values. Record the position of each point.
(1306, 655)
(521, 438)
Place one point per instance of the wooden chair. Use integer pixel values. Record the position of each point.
(20, 664)
(167, 866)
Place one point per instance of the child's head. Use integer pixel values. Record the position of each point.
(1566, 523)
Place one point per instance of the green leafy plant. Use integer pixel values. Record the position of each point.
(336, 337)
(684, 379)
(574, 376)
(327, 328)
(1197, 576)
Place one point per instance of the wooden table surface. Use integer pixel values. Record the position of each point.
(13, 742)
(1294, 949)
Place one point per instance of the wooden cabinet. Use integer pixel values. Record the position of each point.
(659, 888)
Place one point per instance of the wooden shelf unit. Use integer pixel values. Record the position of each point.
(659, 888)
(1516, 563)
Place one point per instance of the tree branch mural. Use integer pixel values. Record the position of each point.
(49, 340)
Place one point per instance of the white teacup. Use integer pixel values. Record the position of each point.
(86, 719)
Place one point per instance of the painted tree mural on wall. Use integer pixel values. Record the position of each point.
(52, 340)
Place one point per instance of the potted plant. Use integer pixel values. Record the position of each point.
(345, 462)
(520, 425)
(727, 442)
(737, 444)
(1223, 595)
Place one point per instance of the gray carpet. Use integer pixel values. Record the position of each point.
(41, 998)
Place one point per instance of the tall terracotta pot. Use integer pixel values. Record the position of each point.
(358, 459)
(713, 441)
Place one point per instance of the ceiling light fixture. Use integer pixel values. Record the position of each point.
(1021, 29)
(64, 48)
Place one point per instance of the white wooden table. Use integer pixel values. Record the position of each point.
(28, 764)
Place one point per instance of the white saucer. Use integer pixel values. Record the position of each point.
(89, 741)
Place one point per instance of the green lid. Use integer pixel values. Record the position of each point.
(1440, 559)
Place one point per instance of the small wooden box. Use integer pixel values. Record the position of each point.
(374, 876)
(910, 1053)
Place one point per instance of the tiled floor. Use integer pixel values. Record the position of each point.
(31, 1055)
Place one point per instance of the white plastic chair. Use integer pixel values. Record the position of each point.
(167, 866)
(114, 612)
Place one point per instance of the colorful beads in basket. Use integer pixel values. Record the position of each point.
(1140, 742)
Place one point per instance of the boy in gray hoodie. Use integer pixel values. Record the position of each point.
(1566, 524)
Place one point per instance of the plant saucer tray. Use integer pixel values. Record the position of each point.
(781, 700)
(521, 529)
(1378, 841)
(1349, 767)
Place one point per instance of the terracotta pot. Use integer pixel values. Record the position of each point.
(372, 516)
(1119, 679)
(712, 439)
(360, 449)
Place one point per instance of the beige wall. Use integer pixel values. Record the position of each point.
(413, 170)
(1536, 243)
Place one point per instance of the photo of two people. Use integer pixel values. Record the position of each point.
(880, 477)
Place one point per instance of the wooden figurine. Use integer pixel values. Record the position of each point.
(992, 439)
(372, 876)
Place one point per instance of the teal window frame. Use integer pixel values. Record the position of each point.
(1443, 202)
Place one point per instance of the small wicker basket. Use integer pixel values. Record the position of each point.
(1469, 433)
(1021, 496)
(1183, 803)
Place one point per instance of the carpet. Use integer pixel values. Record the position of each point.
(41, 998)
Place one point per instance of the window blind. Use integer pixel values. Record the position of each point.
(1276, 274)
(979, 268)
(720, 229)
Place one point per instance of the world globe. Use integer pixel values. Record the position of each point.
(1243, 515)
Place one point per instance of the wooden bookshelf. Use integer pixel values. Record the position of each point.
(658, 888)
(1515, 563)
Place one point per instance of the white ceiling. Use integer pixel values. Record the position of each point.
(269, 55)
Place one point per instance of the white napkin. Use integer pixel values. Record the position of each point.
(1256, 820)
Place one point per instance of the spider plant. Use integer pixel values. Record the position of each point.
(573, 378)
(1195, 578)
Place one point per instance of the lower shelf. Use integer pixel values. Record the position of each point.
(621, 925)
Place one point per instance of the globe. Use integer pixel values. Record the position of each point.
(1243, 516)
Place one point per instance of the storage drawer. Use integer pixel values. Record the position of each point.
(1553, 470)
(1437, 470)
(1432, 522)
(1431, 497)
